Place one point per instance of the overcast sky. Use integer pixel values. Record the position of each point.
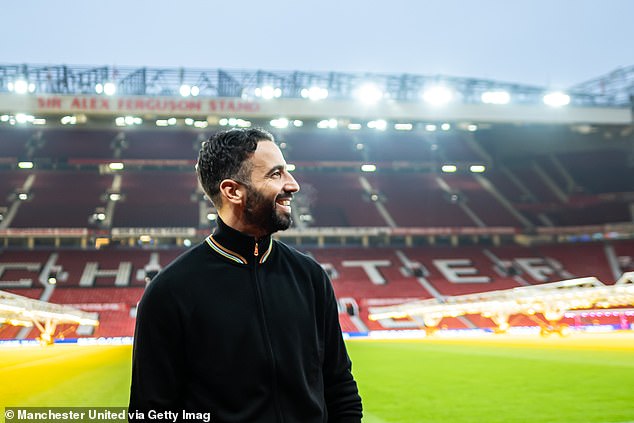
(552, 43)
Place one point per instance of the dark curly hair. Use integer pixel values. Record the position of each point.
(224, 156)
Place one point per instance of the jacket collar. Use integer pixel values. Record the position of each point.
(239, 247)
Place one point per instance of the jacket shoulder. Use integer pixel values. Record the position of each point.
(304, 259)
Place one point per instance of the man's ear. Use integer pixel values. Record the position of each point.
(232, 191)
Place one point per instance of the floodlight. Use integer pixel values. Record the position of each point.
(477, 168)
(23, 196)
(23, 118)
(212, 216)
(189, 121)
(314, 93)
(368, 168)
(68, 120)
(223, 122)
(120, 121)
(25, 165)
(298, 123)
(438, 95)
(449, 168)
(109, 88)
(403, 126)
(99, 89)
(268, 92)
(201, 124)
(279, 123)
(327, 124)
(445, 126)
(290, 167)
(116, 166)
(171, 121)
(472, 127)
(185, 90)
(369, 94)
(430, 127)
(379, 124)
(556, 99)
(21, 86)
(114, 196)
(354, 126)
(195, 91)
(495, 97)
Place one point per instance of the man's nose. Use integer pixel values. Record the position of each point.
(291, 184)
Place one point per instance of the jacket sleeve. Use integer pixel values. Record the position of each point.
(157, 362)
(341, 393)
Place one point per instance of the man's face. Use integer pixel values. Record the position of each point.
(269, 194)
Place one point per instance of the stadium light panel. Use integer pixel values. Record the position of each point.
(171, 121)
(23, 196)
(445, 126)
(39, 121)
(472, 127)
(4, 118)
(495, 97)
(298, 123)
(161, 122)
(99, 88)
(290, 167)
(368, 168)
(201, 124)
(438, 95)
(114, 196)
(212, 216)
(430, 127)
(354, 126)
(556, 99)
(369, 94)
(25, 165)
(195, 90)
(449, 168)
(279, 123)
(189, 121)
(187, 242)
(52, 280)
(477, 168)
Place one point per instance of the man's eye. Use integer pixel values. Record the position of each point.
(276, 174)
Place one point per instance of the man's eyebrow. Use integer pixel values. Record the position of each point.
(274, 168)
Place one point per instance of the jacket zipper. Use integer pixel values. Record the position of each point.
(267, 337)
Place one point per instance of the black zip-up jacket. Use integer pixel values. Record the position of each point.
(245, 331)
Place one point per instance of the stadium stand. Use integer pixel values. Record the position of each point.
(555, 202)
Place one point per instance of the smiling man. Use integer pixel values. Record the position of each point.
(243, 326)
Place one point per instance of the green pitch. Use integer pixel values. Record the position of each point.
(585, 380)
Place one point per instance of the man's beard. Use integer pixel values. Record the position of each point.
(262, 213)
